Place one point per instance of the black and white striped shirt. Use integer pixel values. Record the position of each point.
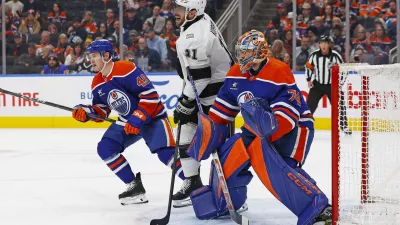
(322, 65)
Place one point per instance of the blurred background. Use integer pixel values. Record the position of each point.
(36, 33)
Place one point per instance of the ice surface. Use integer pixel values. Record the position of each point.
(55, 177)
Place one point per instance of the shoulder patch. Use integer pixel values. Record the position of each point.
(191, 35)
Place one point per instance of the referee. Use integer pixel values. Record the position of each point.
(321, 62)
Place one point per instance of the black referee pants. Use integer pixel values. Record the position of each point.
(315, 95)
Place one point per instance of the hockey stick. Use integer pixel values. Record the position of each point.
(165, 219)
(55, 105)
(236, 217)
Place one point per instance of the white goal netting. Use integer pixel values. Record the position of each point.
(369, 158)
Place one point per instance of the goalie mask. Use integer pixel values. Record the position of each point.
(251, 49)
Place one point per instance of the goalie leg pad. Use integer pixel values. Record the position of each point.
(258, 117)
(209, 202)
(208, 136)
(296, 192)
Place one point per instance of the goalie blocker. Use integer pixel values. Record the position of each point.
(288, 183)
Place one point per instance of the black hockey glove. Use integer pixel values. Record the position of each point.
(185, 111)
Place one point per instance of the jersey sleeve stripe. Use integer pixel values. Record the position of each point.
(290, 120)
(228, 118)
(234, 108)
(224, 109)
(284, 104)
(150, 100)
(287, 112)
(147, 92)
(217, 119)
(151, 96)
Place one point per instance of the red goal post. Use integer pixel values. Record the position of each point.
(366, 164)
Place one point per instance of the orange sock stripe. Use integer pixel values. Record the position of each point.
(115, 164)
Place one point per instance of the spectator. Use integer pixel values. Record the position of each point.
(392, 12)
(102, 32)
(287, 59)
(62, 45)
(133, 41)
(84, 66)
(338, 40)
(43, 59)
(301, 27)
(16, 7)
(44, 42)
(306, 11)
(18, 48)
(354, 8)
(57, 15)
(335, 22)
(379, 40)
(371, 8)
(76, 30)
(116, 33)
(288, 43)
(170, 38)
(363, 39)
(147, 58)
(357, 55)
(88, 23)
(278, 51)
(143, 12)
(30, 25)
(328, 16)
(32, 4)
(319, 24)
(110, 21)
(166, 10)
(28, 59)
(54, 66)
(302, 53)
(273, 35)
(275, 24)
(146, 26)
(312, 32)
(158, 44)
(314, 9)
(113, 42)
(52, 29)
(289, 5)
(157, 21)
(11, 28)
(76, 55)
(131, 22)
(353, 24)
(282, 13)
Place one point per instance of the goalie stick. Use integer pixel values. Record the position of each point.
(236, 217)
(55, 105)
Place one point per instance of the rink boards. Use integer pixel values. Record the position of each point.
(70, 90)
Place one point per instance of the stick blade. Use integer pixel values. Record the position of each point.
(163, 221)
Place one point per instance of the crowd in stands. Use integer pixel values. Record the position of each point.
(372, 29)
(51, 37)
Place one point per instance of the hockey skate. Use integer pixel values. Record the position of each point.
(182, 197)
(135, 192)
(325, 217)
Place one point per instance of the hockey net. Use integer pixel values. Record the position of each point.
(366, 164)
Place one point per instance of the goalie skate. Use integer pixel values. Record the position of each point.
(135, 192)
(325, 217)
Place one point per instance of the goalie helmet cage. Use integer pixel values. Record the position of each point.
(366, 164)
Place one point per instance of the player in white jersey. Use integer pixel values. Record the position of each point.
(201, 49)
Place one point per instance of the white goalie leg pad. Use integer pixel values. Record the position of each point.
(190, 167)
(138, 199)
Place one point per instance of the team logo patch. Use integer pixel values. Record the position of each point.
(244, 96)
(119, 101)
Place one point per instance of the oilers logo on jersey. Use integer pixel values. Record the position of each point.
(118, 101)
(244, 96)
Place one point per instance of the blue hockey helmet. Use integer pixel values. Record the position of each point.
(102, 46)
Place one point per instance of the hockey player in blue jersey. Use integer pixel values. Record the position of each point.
(275, 139)
(123, 87)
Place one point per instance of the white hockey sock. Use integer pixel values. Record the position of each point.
(190, 167)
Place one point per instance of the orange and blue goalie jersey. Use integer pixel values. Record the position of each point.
(124, 90)
(275, 83)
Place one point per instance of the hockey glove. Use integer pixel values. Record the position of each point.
(134, 122)
(80, 112)
(185, 111)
